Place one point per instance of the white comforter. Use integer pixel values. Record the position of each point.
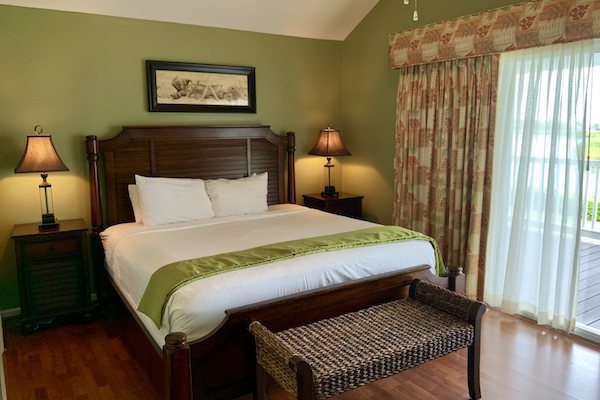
(134, 252)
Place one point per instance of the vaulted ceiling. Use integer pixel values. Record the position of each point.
(317, 19)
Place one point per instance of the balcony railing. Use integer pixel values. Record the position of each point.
(590, 226)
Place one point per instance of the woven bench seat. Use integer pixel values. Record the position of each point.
(331, 356)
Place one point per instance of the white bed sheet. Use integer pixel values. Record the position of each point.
(134, 252)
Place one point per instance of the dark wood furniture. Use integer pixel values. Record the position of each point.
(335, 355)
(349, 205)
(53, 271)
(221, 364)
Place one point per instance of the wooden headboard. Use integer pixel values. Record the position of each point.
(206, 152)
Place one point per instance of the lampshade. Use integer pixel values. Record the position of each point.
(40, 156)
(329, 144)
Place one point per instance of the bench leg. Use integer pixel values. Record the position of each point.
(473, 371)
(260, 391)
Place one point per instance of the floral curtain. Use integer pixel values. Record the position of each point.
(520, 26)
(444, 151)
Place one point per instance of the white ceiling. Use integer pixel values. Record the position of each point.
(317, 19)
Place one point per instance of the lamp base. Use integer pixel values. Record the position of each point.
(48, 227)
(48, 222)
(330, 191)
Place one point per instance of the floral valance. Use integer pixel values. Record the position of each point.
(530, 24)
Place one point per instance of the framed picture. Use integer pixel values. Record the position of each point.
(186, 87)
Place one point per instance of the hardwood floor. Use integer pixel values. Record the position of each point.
(519, 361)
(77, 361)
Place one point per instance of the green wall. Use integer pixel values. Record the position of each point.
(369, 96)
(78, 74)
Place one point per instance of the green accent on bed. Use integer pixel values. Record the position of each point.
(166, 280)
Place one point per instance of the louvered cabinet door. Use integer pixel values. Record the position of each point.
(53, 272)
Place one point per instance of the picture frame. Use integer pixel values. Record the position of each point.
(188, 87)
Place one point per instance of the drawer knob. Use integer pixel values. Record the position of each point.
(52, 248)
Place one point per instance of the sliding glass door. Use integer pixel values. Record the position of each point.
(588, 293)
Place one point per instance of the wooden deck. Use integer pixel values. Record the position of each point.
(588, 297)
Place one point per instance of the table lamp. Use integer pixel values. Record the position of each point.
(329, 144)
(40, 156)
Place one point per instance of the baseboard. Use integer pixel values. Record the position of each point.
(15, 312)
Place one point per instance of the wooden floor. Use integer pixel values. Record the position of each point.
(519, 361)
(588, 296)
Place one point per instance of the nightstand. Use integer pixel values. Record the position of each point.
(346, 204)
(53, 272)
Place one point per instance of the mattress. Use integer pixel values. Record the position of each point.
(134, 251)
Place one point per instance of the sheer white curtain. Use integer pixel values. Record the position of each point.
(533, 243)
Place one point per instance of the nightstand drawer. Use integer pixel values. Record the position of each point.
(51, 248)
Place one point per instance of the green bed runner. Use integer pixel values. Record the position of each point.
(166, 280)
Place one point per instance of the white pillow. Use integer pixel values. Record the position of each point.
(134, 197)
(238, 196)
(170, 200)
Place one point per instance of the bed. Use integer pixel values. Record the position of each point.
(214, 358)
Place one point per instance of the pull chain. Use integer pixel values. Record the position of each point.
(416, 13)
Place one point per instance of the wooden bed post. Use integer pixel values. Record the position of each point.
(456, 279)
(177, 362)
(291, 172)
(97, 219)
(95, 199)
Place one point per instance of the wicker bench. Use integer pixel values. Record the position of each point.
(331, 356)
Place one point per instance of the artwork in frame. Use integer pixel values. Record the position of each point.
(187, 87)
